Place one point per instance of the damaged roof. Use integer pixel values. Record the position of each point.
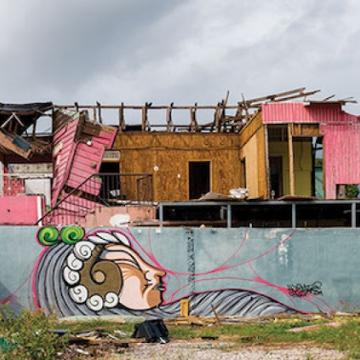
(15, 119)
(24, 114)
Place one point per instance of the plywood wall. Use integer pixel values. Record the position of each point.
(166, 157)
(253, 149)
(302, 165)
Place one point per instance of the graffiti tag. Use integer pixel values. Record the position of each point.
(301, 290)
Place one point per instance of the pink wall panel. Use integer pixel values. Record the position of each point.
(342, 156)
(341, 138)
(21, 209)
(277, 113)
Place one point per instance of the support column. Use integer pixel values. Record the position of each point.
(353, 215)
(1, 178)
(291, 161)
(267, 162)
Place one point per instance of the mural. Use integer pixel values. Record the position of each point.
(102, 273)
(147, 271)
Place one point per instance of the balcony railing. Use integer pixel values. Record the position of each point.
(98, 191)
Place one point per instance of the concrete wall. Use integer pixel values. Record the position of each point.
(240, 271)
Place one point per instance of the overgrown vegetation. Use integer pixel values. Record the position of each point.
(351, 191)
(28, 336)
(345, 337)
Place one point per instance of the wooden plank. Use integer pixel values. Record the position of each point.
(84, 164)
(144, 117)
(291, 161)
(91, 150)
(251, 128)
(92, 188)
(121, 118)
(98, 105)
(306, 130)
(193, 120)
(267, 163)
(7, 142)
(169, 121)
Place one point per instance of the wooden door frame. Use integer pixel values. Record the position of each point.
(188, 175)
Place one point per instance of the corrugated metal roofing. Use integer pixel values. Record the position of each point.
(277, 113)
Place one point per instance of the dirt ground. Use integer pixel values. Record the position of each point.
(181, 350)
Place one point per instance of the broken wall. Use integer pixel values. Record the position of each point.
(166, 156)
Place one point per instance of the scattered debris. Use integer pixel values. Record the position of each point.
(15, 120)
(208, 337)
(314, 327)
(239, 193)
(152, 331)
(120, 333)
(82, 352)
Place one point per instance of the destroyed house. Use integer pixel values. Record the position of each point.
(96, 172)
(25, 161)
(306, 149)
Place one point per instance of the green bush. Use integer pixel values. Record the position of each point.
(29, 336)
(351, 191)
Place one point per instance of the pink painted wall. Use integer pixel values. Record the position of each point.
(21, 209)
(341, 155)
(341, 138)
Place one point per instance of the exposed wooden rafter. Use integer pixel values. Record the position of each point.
(222, 121)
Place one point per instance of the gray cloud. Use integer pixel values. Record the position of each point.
(177, 50)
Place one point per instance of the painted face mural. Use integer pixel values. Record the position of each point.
(101, 270)
(110, 271)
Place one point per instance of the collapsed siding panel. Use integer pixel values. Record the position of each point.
(64, 143)
(79, 147)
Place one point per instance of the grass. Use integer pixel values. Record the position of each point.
(345, 337)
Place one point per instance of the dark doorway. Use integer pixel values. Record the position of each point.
(317, 180)
(276, 184)
(243, 173)
(110, 179)
(199, 178)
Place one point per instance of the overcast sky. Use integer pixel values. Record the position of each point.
(176, 50)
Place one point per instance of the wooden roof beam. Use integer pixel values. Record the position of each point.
(169, 121)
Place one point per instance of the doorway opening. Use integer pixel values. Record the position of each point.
(110, 181)
(318, 171)
(276, 174)
(199, 178)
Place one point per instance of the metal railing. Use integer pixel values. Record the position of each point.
(98, 191)
(263, 214)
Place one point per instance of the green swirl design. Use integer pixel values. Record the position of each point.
(72, 234)
(48, 235)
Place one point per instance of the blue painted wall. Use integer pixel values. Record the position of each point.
(261, 261)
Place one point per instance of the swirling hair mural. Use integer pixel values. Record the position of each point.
(102, 273)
